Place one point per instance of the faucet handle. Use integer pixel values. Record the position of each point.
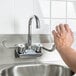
(25, 51)
(20, 48)
(4, 44)
(36, 48)
(50, 50)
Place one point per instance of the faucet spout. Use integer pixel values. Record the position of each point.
(29, 27)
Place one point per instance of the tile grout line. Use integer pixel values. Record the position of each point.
(66, 12)
(50, 15)
(14, 15)
(71, 1)
(55, 18)
(60, 18)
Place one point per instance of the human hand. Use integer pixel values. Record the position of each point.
(63, 36)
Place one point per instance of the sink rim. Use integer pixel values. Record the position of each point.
(46, 65)
(7, 66)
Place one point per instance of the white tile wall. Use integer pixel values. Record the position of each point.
(58, 9)
(71, 0)
(71, 9)
(72, 24)
(23, 9)
(55, 22)
(42, 8)
(6, 18)
(44, 27)
(14, 16)
(21, 26)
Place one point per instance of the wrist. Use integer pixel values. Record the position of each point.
(63, 48)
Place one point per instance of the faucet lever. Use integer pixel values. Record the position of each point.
(50, 50)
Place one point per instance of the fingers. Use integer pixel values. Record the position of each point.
(56, 35)
(67, 27)
(62, 28)
(58, 29)
(71, 33)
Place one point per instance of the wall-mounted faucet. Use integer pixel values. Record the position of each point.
(37, 26)
(28, 50)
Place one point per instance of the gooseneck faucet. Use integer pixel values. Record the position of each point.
(37, 26)
(29, 27)
(29, 50)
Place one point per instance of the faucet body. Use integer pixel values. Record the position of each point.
(28, 50)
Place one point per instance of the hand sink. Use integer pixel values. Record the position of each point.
(36, 69)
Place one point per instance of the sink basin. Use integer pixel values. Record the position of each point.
(35, 70)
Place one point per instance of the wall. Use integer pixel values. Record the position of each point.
(14, 16)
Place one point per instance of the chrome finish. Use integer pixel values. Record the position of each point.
(3, 43)
(29, 28)
(49, 50)
(22, 51)
(29, 33)
(28, 50)
(36, 70)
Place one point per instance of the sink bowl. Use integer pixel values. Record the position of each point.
(36, 70)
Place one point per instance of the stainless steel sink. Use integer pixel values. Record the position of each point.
(36, 70)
